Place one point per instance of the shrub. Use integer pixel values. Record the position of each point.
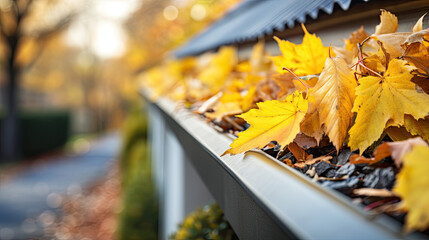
(206, 223)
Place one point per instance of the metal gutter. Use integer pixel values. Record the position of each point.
(265, 199)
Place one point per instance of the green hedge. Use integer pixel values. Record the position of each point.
(42, 131)
(139, 217)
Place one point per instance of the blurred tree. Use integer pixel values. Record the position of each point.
(24, 25)
(153, 34)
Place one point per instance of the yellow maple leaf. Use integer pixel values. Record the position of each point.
(386, 99)
(304, 59)
(412, 186)
(230, 97)
(232, 103)
(334, 94)
(247, 100)
(274, 120)
(252, 80)
(215, 75)
(224, 109)
(258, 61)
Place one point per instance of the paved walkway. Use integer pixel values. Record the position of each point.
(29, 201)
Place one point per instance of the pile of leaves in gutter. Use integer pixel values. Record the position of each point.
(353, 118)
(347, 173)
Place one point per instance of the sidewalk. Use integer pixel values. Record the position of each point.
(29, 201)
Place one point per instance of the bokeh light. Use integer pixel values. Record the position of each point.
(171, 13)
(198, 12)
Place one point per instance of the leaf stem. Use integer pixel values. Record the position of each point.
(299, 79)
(360, 62)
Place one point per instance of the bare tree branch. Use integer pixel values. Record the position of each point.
(59, 26)
(2, 31)
(43, 36)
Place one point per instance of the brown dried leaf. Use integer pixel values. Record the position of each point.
(298, 152)
(267, 90)
(396, 150)
(419, 24)
(422, 81)
(381, 152)
(310, 126)
(342, 52)
(417, 50)
(305, 141)
(358, 159)
(288, 162)
(358, 36)
(410, 129)
(415, 37)
(392, 42)
(418, 54)
(285, 82)
(398, 133)
(350, 49)
(388, 23)
(299, 164)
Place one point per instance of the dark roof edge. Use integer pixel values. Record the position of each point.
(280, 25)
